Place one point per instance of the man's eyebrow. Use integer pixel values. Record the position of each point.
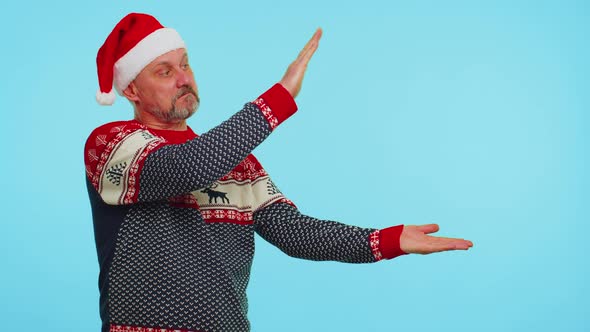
(168, 63)
(161, 63)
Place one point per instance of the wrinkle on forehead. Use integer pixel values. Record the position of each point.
(167, 62)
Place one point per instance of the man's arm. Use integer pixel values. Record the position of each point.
(306, 237)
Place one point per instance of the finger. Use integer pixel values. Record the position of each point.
(456, 243)
(442, 238)
(459, 246)
(313, 41)
(304, 57)
(305, 48)
(317, 35)
(428, 228)
(432, 248)
(310, 47)
(463, 247)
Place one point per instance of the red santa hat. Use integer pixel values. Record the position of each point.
(134, 42)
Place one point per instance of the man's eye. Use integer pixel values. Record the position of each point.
(165, 73)
(185, 66)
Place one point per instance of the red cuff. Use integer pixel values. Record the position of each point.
(385, 243)
(276, 104)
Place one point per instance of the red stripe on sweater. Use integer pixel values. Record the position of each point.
(127, 328)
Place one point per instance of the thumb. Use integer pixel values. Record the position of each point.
(428, 228)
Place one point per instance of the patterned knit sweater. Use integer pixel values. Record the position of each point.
(175, 215)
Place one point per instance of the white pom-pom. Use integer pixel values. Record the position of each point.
(105, 98)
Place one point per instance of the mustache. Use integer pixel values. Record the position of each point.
(186, 89)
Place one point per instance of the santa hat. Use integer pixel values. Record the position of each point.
(135, 41)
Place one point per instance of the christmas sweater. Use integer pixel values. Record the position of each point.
(175, 214)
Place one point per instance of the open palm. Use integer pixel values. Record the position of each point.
(414, 240)
(293, 77)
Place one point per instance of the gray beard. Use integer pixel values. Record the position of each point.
(175, 114)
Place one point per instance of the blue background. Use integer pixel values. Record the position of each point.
(470, 114)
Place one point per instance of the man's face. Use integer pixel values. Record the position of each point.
(166, 88)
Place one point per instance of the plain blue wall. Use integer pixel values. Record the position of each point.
(471, 114)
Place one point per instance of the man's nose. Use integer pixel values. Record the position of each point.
(183, 78)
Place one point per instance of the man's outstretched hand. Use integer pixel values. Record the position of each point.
(294, 75)
(414, 240)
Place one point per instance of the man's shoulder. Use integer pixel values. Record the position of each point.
(107, 133)
(115, 127)
(127, 136)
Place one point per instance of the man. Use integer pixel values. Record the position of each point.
(175, 212)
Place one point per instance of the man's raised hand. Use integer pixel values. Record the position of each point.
(293, 77)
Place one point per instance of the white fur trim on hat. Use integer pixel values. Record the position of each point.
(145, 51)
(105, 98)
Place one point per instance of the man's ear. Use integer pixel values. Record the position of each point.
(131, 92)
